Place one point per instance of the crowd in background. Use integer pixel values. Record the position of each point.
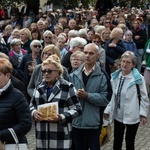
(29, 40)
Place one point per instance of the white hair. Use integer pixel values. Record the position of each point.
(77, 41)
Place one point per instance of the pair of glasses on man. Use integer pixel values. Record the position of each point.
(49, 71)
(37, 46)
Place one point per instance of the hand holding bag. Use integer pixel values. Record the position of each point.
(16, 146)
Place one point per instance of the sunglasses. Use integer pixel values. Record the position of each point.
(48, 37)
(49, 71)
(37, 46)
(107, 22)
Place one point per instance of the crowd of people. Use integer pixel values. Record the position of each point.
(90, 65)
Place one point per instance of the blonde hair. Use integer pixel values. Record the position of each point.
(56, 62)
(3, 55)
(5, 66)
(115, 32)
(27, 32)
(78, 53)
(51, 47)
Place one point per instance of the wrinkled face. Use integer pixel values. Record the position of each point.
(50, 73)
(91, 55)
(17, 47)
(4, 78)
(126, 65)
(60, 44)
(76, 61)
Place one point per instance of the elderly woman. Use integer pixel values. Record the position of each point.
(129, 104)
(128, 42)
(14, 111)
(102, 59)
(41, 26)
(47, 37)
(37, 73)
(54, 132)
(26, 37)
(58, 28)
(29, 61)
(114, 49)
(77, 59)
(105, 36)
(61, 45)
(16, 54)
(76, 43)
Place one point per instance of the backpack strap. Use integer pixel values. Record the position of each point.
(138, 92)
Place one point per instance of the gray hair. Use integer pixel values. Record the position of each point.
(129, 54)
(35, 42)
(15, 41)
(82, 32)
(77, 41)
(128, 32)
(96, 47)
(47, 32)
(73, 32)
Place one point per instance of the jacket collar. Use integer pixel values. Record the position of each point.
(136, 74)
(97, 70)
(41, 89)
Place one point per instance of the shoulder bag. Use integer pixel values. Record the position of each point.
(16, 146)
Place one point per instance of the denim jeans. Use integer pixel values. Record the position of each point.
(83, 139)
(130, 134)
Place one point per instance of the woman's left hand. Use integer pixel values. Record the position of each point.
(143, 120)
(54, 120)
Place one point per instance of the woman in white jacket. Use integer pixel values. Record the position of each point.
(126, 109)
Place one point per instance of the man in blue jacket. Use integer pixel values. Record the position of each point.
(92, 90)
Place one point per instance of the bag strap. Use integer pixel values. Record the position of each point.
(138, 92)
(14, 135)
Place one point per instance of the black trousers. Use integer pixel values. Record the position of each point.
(119, 129)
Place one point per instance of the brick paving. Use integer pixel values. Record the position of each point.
(142, 141)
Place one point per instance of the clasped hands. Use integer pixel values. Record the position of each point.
(82, 94)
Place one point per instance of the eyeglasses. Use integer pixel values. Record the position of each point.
(49, 71)
(96, 42)
(107, 22)
(37, 46)
(48, 37)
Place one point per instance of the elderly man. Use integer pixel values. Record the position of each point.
(76, 43)
(92, 90)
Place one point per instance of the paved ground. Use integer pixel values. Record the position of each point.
(142, 139)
